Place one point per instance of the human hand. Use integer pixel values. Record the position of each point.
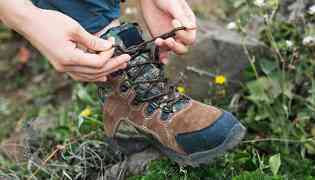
(58, 37)
(163, 16)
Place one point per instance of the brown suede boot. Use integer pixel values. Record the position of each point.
(187, 131)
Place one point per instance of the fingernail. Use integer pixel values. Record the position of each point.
(112, 39)
(126, 57)
(158, 41)
(105, 44)
(171, 42)
(176, 23)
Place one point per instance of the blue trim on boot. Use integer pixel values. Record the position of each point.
(208, 138)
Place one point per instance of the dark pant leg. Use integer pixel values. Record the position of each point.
(93, 15)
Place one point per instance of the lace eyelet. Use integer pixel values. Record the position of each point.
(150, 109)
(124, 87)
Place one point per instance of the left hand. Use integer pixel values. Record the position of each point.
(162, 16)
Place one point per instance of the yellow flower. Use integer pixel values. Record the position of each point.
(220, 80)
(86, 112)
(181, 90)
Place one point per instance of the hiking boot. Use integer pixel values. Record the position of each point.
(187, 131)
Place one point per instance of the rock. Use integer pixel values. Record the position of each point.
(17, 145)
(135, 164)
(13, 148)
(294, 10)
(216, 51)
(138, 162)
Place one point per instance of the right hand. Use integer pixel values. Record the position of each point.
(57, 36)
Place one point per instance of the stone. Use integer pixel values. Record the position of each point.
(216, 51)
(16, 147)
(135, 164)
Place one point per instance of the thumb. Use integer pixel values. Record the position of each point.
(183, 13)
(91, 42)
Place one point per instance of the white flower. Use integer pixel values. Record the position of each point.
(289, 43)
(309, 41)
(260, 3)
(231, 26)
(266, 17)
(311, 10)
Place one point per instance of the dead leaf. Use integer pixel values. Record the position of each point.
(24, 55)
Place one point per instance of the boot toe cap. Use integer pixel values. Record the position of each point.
(209, 137)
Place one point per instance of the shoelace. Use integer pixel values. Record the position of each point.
(168, 97)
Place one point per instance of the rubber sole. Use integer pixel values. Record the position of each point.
(235, 136)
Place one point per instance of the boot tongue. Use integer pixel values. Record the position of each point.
(126, 36)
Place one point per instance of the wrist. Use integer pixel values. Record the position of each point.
(18, 15)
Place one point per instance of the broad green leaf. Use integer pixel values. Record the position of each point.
(264, 89)
(268, 66)
(82, 93)
(80, 121)
(275, 163)
(310, 147)
(256, 175)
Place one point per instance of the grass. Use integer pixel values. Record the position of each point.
(276, 104)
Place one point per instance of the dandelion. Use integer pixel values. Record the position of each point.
(231, 26)
(220, 80)
(312, 10)
(181, 90)
(289, 43)
(86, 112)
(260, 3)
(309, 41)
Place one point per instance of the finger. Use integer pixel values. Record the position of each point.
(80, 77)
(164, 50)
(164, 55)
(92, 77)
(159, 42)
(171, 44)
(185, 15)
(162, 44)
(165, 60)
(121, 67)
(101, 79)
(111, 65)
(85, 78)
(93, 72)
(89, 77)
(188, 37)
(176, 47)
(112, 40)
(78, 57)
(90, 41)
(117, 62)
(190, 16)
